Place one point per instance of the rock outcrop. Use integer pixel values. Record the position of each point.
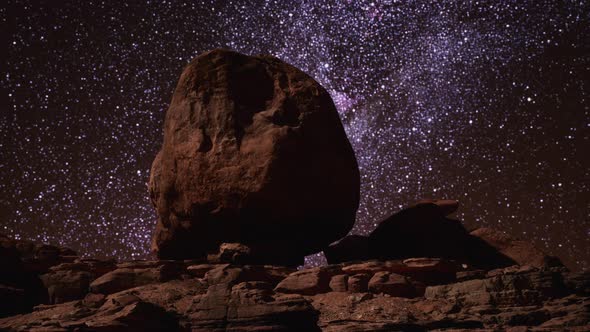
(422, 230)
(517, 251)
(254, 152)
(23, 265)
(417, 294)
(425, 230)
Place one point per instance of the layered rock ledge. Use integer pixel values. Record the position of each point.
(417, 294)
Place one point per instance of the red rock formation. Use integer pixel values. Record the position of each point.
(519, 251)
(373, 296)
(424, 230)
(254, 152)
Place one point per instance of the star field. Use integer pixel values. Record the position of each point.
(481, 101)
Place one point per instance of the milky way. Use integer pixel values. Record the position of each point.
(485, 102)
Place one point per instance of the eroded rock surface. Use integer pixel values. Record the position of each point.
(519, 251)
(254, 153)
(425, 230)
(415, 294)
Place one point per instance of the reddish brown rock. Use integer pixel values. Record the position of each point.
(66, 284)
(71, 281)
(431, 271)
(519, 251)
(339, 283)
(135, 274)
(199, 270)
(358, 283)
(224, 274)
(392, 284)
(234, 253)
(254, 152)
(527, 288)
(93, 300)
(309, 281)
(137, 316)
(470, 274)
(372, 267)
(267, 273)
(177, 305)
(250, 306)
(233, 274)
(241, 298)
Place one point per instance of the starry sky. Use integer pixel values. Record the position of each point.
(486, 102)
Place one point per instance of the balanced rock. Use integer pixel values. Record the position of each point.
(254, 153)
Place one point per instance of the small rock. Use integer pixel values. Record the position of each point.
(224, 274)
(360, 297)
(309, 281)
(358, 283)
(372, 267)
(339, 283)
(392, 284)
(235, 253)
(93, 300)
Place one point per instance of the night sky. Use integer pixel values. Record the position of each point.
(486, 102)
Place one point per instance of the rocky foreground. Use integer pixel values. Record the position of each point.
(47, 288)
(255, 172)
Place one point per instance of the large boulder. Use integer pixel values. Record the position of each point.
(254, 152)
